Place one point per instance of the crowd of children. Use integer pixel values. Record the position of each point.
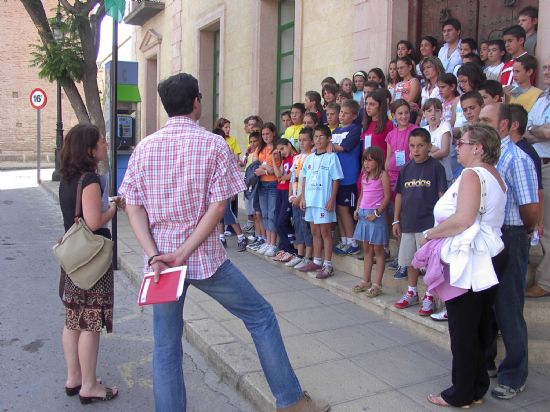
(371, 155)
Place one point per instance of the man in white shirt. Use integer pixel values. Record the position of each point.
(449, 54)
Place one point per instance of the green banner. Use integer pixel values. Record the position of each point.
(115, 9)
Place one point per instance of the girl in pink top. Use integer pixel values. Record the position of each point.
(371, 227)
(398, 141)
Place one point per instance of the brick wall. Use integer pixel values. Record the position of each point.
(17, 79)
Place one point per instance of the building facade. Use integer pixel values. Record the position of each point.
(259, 56)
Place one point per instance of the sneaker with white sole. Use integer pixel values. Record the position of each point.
(279, 255)
(228, 233)
(310, 267)
(506, 392)
(270, 251)
(252, 238)
(249, 227)
(440, 316)
(427, 307)
(325, 272)
(241, 245)
(261, 250)
(409, 299)
(341, 250)
(400, 273)
(293, 262)
(303, 263)
(353, 250)
(255, 245)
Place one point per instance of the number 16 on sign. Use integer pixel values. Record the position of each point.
(38, 100)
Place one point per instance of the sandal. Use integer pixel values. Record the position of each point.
(361, 287)
(74, 391)
(109, 395)
(439, 401)
(374, 290)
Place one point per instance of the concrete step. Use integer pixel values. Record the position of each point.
(535, 311)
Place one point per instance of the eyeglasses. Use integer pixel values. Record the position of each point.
(199, 96)
(462, 142)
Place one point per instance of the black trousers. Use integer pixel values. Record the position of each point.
(470, 327)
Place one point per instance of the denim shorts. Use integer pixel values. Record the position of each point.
(301, 227)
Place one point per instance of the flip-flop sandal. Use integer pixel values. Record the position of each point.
(109, 395)
(374, 291)
(439, 401)
(362, 287)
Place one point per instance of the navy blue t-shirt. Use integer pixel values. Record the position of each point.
(420, 185)
(349, 138)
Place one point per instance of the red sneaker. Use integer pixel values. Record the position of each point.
(428, 306)
(408, 299)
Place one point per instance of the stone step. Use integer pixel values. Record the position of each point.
(536, 311)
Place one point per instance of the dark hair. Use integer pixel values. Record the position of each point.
(516, 31)
(299, 106)
(313, 116)
(221, 122)
(178, 93)
(334, 106)
(379, 95)
(423, 133)
(470, 42)
(497, 42)
(529, 11)
(396, 104)
(330, 88)
(314, 96)
(450, 79)
(376, 154)
(329, 80)
(344, 94)
(285, 113)
(527, 61)
(453, 22)
(273, 128)
(432, 102)
(504, 113)
(256, 119)
(433, 41)
(308, 131)
(219, 131)
(323, 129)
(372, 84)
(361, 73)
(380, 73)
(398, 79)
(518, 114)
(256, 135)
(474, 58)
(409, 62)
(285, 142)
(76, 153)
(472, 95)
(474, 74)
(410, 47)
(492, 87)
(352, 105)
(435, 62)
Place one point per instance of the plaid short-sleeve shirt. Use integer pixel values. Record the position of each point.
(175, 174)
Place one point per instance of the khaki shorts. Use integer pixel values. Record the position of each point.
(410, 243)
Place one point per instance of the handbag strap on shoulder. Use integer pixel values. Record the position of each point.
(78, 208)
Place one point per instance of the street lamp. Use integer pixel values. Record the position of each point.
(58, 35)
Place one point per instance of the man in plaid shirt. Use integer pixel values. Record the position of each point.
(176, 187)
(520, 219)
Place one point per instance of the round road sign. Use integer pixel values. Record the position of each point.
(38, 98)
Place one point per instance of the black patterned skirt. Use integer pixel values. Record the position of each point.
(88, 310)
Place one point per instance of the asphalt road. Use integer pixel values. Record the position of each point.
(32, 368)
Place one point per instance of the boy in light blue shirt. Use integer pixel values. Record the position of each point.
(321, 174)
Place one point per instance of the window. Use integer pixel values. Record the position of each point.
(216, 76)
(285, 57)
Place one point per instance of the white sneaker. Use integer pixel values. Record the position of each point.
(262, 249)
(252, 238)
(271, 251)
(303, 263)
(440, 316)
(293, 262)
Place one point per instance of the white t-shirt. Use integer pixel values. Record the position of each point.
(437, 137)
(493, 72)
(425, 95)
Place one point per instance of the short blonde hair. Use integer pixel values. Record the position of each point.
(488, 138)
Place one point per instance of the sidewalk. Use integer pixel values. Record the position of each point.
(351, 356)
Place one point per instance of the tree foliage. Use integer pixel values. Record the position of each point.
(73, 60)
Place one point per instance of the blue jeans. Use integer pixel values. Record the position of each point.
(509, 307)
(233, 291)
(268, 201)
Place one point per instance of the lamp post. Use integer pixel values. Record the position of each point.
(58, 35)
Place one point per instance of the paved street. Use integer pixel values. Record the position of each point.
(31, 357)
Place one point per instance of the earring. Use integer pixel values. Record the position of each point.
(475, 152)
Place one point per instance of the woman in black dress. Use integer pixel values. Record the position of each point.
(87, 311)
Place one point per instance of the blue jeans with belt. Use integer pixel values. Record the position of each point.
(229, 287)
(509, 303)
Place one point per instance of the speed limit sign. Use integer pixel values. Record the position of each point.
(38, 98)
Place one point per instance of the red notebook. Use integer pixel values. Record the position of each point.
(168, 289)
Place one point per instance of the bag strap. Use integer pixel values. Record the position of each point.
(483, 183)
(78, 208)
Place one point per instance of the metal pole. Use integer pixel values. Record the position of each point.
(56, 176)
(114, 74)
(38, 146)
